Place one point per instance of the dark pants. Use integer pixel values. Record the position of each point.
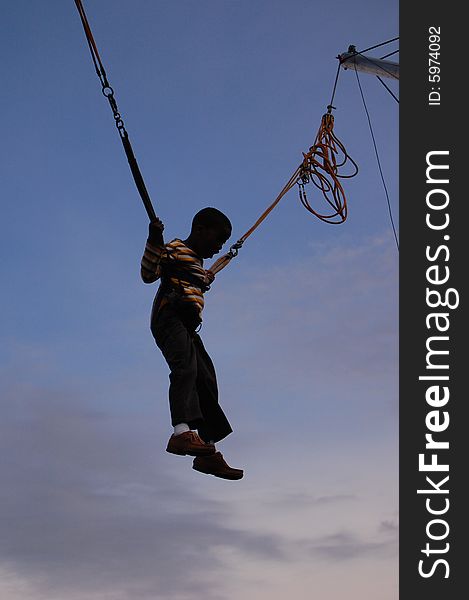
(193, 391)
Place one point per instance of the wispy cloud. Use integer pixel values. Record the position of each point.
(87, 507)
(311, 337)
(303, 499)
(389, 526)
(93, 508)
(347, 546)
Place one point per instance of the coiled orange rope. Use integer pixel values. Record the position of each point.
(320, 167)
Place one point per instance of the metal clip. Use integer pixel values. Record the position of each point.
(235, 248)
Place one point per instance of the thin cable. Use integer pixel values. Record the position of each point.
(335, 86)
(390, 54)
(378, 45)
(389, 90)
(379, 162)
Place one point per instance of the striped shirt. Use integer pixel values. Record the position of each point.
(181, 267)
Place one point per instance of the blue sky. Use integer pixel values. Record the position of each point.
(220, 98)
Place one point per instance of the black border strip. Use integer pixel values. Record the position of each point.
(432, 270)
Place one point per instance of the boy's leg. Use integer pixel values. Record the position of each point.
(215, 425)
(177, 347)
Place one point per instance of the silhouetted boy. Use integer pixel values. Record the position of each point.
(176, 315)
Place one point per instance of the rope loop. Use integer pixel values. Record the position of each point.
(321, 166)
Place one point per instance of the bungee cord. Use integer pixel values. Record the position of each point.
(108, 92)
(322, 166)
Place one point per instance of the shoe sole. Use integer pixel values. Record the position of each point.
(231, 477)
(193, 453)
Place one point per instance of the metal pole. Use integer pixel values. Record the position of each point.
(375, 66)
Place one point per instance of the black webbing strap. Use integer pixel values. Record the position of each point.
(109, 93)
(137, 175)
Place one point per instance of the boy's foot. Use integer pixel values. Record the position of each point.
(216, 465)
(190, 443)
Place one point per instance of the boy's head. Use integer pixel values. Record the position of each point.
(210, 230)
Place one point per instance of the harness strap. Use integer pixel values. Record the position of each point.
(183, 275)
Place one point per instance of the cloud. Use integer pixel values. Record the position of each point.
(307, 500)
(93, 510)
(320, 307)
(87, 507)
(92, 507)
(347, 546)
(389, 526)
(317, 337)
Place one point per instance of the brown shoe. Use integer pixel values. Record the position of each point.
(190, 443)
(216, 465)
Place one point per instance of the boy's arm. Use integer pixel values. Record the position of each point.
(150, 269)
